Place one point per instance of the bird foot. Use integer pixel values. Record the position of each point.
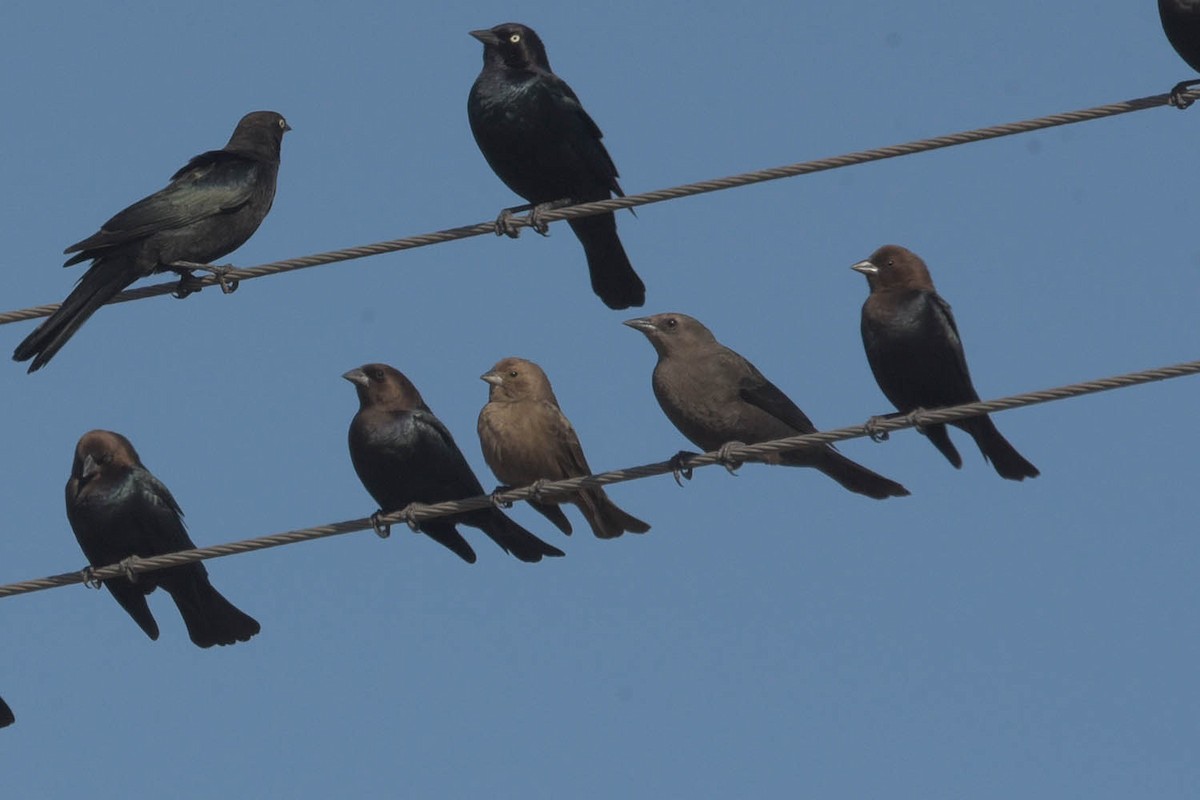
(726, 459)
(381, 529)
(190, 284)
(537, 490)
(679, 466)
(506, 224)
(535, 214)
(496, 501)
(89, 577)
(915, 418)
(871, 427)
(1178, 93)
(408, 515)
(126, 564)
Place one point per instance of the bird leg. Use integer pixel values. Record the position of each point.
(726, 460)
(871, 427)
(89, 577)
(914, 418)
(497, 501)
(189, 284)
(506, 225)
(407, 513)
(382, 530)
(127, 565)
(679, 465)
(1180, 89)
(535, 491)
(535, 214)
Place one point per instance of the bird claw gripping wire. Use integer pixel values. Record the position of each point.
(915, 418)
(726, 459)
(495, 496)
(190, 284)
(1177, 94)
(408, 515)
(126, 564)
(679, 466)
(382, 530)
(871, 427)
(537, 489)
(538, 211)
(505, 224)
(89, 577)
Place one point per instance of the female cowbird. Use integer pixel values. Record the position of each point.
(1181, 23)
(714, 396)
(119, 510)
(537, 138)
(403, 454)
(914, 350)
(526, 438)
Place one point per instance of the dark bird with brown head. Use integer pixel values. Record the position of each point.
(403, 454)
(526, 438)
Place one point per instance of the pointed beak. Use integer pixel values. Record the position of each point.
(357, 377)
(90, 468)
(491, 377)
(286, 126)
(486, 36)
(642, 324)
(866, 268)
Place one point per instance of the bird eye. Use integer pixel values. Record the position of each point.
(671, 322)
(282, 122)
(516, 37)
(376, 375)
(891, 262)
(512, 373)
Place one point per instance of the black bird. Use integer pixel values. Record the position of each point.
(403, 454)
(6, 715)
(537, 138)
(209, 209)
(526, 438)
(715, 396)
(913, 348)
(119, 510)
(1181, 24)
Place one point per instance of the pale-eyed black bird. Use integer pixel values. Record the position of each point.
(525, 438)
(6, 714)
(537, 138)
(715, 396)
(914, 350)
(403, 454)
(119, 510)
(209, 209)
(1181, 24)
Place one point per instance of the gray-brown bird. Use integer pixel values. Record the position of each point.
(525, 438)
(715, 396)
(118, 510)
(917, 357)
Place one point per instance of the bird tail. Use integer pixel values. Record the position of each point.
(856, 477)
(554, 513)
(209, 617)
(995, 448)
(940, 436)
(511, 537)
(607, 519)
(94, 289)
(613, 278)
(6, 715)
(445, 534)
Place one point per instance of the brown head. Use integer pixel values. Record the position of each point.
(513, 45)
(895, 267)
(102, 452)
(513, 379)
(379, 385)
(673, 332)
(259, 133)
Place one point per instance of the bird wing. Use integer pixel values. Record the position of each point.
(943, 318)
(582, 133)
(453, 472)
(756, 390)
(160, 517)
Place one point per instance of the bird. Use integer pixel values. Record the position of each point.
(119, 510)
(6, 714)
(1181, 23)
(537, 138)
(525, 438)
(403, 454)
(917, 357)
(210, 207)
(714, 396)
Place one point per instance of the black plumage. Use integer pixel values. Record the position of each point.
(6, 714)
(118, 509)
(1181, 23)
(537, 138)
(915, 352)
(403, 454)
(210, 208)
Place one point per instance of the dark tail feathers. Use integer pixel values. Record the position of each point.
(511, 537)
(95, 288)
(209, 617)
(6, 715)
(613, 278)
(859, 479)
(941, 440)
(995, 448)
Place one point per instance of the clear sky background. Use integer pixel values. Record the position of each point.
(773, 635)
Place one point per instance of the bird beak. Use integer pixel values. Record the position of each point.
(486, 36)
(286, 127)
(866, 268)
(491, 377)
(642, 324)
(357, 377)
(90, 468)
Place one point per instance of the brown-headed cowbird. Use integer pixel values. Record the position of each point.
(715, 396)
(6, 714)
(119, 510)
(913, 348)
(1181, 23)
(537, 138)
(403, 454)
(525, 438)
(210, 208)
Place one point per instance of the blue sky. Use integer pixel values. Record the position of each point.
(772, 635)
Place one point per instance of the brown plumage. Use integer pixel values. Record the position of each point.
(914, 350)
(526, 438)
(714, 396)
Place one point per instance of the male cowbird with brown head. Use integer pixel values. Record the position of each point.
(6, 714)
(715, 396)
(526, 438)
(913, 348)
(403, 454)
(1181, 23)
(209, 209)
(119, 510)
(537, 138)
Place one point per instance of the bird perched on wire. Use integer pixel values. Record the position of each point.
(6, 714)
(119, 510)
(209, 209)
(917, 357)
(1181, 23)
(403, 454)
(715, 397)
(537, 138)
(525, 438)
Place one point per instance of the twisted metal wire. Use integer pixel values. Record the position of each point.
(630, 201)
(729, 456)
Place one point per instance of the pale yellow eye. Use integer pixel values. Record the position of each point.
(516, 37)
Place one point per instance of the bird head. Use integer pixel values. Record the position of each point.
(513, 44)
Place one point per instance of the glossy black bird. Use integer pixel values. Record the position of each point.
(525, 438)
(715, 396)
(6, 714)
(537, 138)
(913, 348)
(1181, 24)
(118, 510)
(209, 209)
(403, 454)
